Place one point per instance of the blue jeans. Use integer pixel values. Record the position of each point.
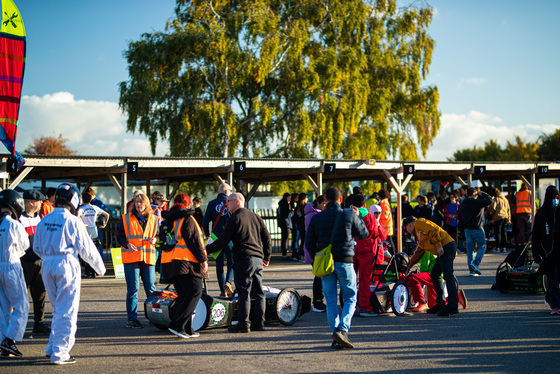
(132, 274)
(471, 237)
(226, 252)
(345, 275)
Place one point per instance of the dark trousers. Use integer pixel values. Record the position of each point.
(285, 234)
(500, 233)
(524, 226)
(552, 295)
(444, 264)
(318, 295)
(33, 280)
(189, 291)
(247, 275)
(452, 231)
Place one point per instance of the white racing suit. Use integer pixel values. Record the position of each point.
(14, 303)
(59, 239)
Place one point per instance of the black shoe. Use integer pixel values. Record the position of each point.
(238, 328)
(448, 312)
(436, 309)
(336, 345)
(8, 345)
(257, 327)
(342, 338)
(41, 328)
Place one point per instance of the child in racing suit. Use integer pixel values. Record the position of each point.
(14, 302)
(60, 237)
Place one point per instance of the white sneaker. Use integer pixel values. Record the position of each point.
(473, 274)
(179, 334)
(194, 335)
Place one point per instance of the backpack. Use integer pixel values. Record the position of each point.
(167, 240)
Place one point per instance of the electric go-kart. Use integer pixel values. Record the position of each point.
(388, 293)
(519, 273)
(284, 306)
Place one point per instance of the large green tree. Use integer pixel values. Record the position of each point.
(286, 78)
(549, 148)
(518, 150)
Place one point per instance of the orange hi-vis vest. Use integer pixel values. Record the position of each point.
(523, 198)
(386, 218)
(140, 238)
(180, 251)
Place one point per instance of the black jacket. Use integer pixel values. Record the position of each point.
(194, 243)
(320, 228)
(471, 211)
(249, 235)
(545, 231)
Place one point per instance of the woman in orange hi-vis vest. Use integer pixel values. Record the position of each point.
(137, 233)
(386, 218)
(186, 265)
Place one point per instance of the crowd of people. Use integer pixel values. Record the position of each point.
(43, 239)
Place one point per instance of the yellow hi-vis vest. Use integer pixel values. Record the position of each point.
(180, 251)
(140, 238)
(523, 198)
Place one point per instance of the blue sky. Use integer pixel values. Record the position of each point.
(495, 64)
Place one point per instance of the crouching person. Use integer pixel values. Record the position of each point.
(60, 237)
(432, 238)
(14, 303)
(185, 265)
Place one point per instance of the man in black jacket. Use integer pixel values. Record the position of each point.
(319, 233)
(251, 250)
(471, 219)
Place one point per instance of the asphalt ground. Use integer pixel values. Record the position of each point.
(497, 333)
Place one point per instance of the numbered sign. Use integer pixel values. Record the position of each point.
(330, 169)
(542, 169)
(480, 170)
(11, 165)
(408, 169)
(239, 167)
(132, 167)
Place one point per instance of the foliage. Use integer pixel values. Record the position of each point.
(276, 78)
(549, 148)
(492, 151)
(50, 145)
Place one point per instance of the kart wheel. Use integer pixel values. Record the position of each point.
(399, 298)
(201, 315)
(288, 306)
(502, 281)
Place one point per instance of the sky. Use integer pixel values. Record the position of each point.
(495, 65)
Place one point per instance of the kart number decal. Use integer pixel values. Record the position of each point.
(218, 312)
(157, 310)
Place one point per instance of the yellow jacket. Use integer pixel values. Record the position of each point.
(429, 238)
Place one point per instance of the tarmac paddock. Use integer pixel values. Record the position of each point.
(497, 333)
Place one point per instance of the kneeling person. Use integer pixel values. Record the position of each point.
(432, 238)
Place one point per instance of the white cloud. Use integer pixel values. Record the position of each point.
(460, 131)
(472, 81)
(93, 128)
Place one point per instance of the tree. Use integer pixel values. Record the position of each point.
(276, 78)
(549, 148)
(50, 145)
(492, 151)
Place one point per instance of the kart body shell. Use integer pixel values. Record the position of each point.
(284, 306)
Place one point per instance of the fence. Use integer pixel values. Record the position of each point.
(109, 233)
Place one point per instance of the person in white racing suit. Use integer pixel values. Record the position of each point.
(60, 237)
(14, 302)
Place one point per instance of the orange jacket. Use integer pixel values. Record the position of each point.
(180, 252)
(46, 208)
(523, 199)
(386, 218)
(146, 251)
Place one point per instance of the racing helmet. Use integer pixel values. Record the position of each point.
(12, 200)
(68, 193)
(401, 259)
